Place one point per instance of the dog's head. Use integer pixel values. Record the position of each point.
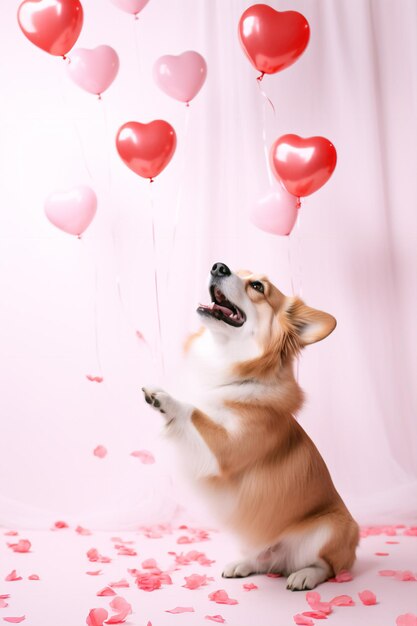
(245, 305)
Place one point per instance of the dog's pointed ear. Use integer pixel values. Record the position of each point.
(309, 324)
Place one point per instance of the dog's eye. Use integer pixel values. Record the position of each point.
(257, 285)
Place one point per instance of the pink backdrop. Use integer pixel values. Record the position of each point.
(353, 252)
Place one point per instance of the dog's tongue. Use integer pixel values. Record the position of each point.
(218, 307)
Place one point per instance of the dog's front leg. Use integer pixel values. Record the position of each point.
(176, 414)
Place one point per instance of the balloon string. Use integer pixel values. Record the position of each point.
(290, 265)
(180, 192)
(95, 305)
(135, 23)
(264, 139)
(158, 343)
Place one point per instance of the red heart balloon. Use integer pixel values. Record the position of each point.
(146, 148)
(53, 25)
(303, 165)
(272, 40)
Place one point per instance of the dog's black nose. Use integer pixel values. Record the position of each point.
(220, 269)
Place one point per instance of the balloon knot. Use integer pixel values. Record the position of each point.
(79, 237)
(260, 77)
(187, 104)
(298, 205)
(151, 180)
(99, 96)
(136, 16)
(64, 57)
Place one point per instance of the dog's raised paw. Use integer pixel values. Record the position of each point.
(155, 397)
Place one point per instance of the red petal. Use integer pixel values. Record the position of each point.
(14, 620)
(181, 609)
(123, 607)
(100, 452)
(407, 619)
(405, 576)
(303, 621)
(250, 586)
(146, 457)
(94, 379)
(3, 604)
(12, 576)
(315, 614)
(33, 577)
(342, 601)
(82, 531)
(381, 553)
(367, 597)
(11, 533)
(96, 617)
(216, 618)
(96, 572)
(221, 597)
(120, 583)
(106, 591)
(23, 545)
(342, 577)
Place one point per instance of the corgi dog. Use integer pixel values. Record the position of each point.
(240, 442)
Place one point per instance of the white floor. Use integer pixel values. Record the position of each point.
(65, 594)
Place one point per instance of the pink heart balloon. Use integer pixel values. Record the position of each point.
(131, 6)
(72, 211)
(276, 213)
(182, 76)
(93, 70)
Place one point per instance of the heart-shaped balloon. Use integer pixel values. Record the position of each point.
(275, 213)
(72, 211)
(53, 25)
(131, 6)
(303, 165)
(272, 40)
(182, 76)
(93, 70)
(146, 148)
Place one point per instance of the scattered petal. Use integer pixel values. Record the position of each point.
(100, 452)
(273, 575)
(82, 531)
(33, 577)
(5, 596)
(392, 542)
(387, 572)
(106, 591)
(342, 577)
(148, 582)
(139, 335)
(301, 620)
(250, 586)
(94, 379)
(216, 618)
(11, 533)
(94, 556)
(14, 620)
(96, 572)
(315, 614)
(381, 553)
(195, 581)
(407, 619)
(221, 597)
(146, 457)
(342, 601)
(23, 545)
(404, 576)
(313, 599)
(149, 564)
(123, 609)
(13, 576)
(411, 532)
(181, 609)
(120, 583)
(3, 604)
(126, 551)
(96, 617)
(367, 597)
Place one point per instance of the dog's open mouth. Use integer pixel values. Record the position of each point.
(222, 309)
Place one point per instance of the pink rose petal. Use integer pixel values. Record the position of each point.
(301, 620)
(342, 601)
(82, 531)
(12, 577)
(4, 596)
(100, 452)
(33, 577)
(94, 379)
(392, 542)
(313, 599)
(381, 553)
(3, 604)
(59, 525)
(96, 572)
(407, 619)
(405, 575)
(221, 597)
(411, 532)
(23, 545)
(123, 609)
(195, 581)
(315, 614)
(120, 583)
(145, 457)
(11, 533)
(126, 551)
(106, 591)
(274, 575)
(96, 617)
(342, 577)
(250, 586)
(367, 597)
(14, 620)
(94, 556)
(387, 572)
(216, 618)
(148, 582)
(181, 609)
